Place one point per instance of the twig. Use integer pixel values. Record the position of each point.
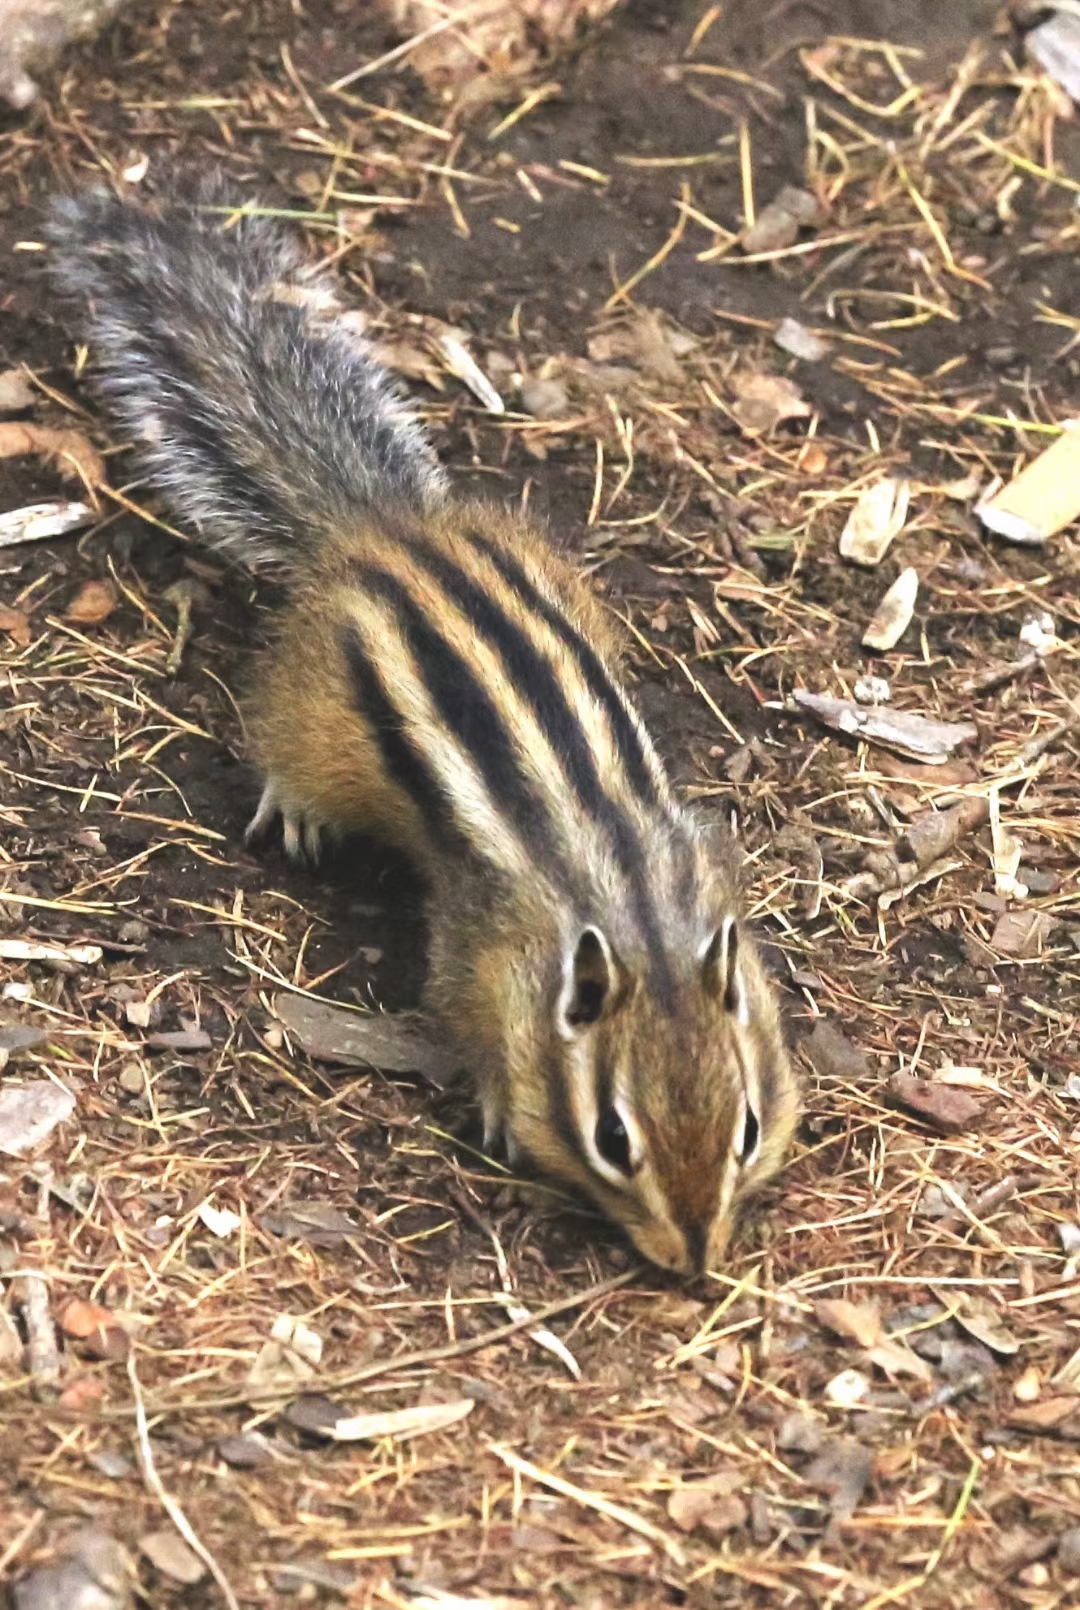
(166, 1500)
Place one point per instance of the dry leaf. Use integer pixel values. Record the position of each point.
(16, 392)
(11, 1345)
(16, 623)
(30, 1113)
(318, 1222)
(1058, 1415)
(81, 1393)
(646, 342)
(892, 617)
(799, 1432)
(896, 1358)
(68, 450)
(793, 337)
(878, 516)
(461, 363)
(903, 730)
(764, 401)
(691, 1505)
(980, 1319)
(488, 47)
(287, 1361)
(222, 1222)
(28, 950)
(82, 1318)
(945, 1108)
(400, 1424)
(1043, 499)
(841, 1471)
(858, 1322)
(832, 1054)
(1023, 933)
(778, 223)
(950, 774)
(169, 1554)
(93, 603)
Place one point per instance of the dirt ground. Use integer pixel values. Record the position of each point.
(876, 1401)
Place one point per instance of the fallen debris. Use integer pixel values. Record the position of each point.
(763, 401)
(28, 950)
(1024, 933)
(832, 1054)
(93, 603)
(909, 734)
(778, 223)
(319, 1223)
(400, 1425)
(893, 615)
(477, 53)
(169, 1554)
(42, 1346)
(67, 450)
(1055, 45)
(793, 337)
(286, 1362)
(1045, 497)
(713, 1506)
(918, 852)
(842, 1471)
(39, 521)
(16, 392)
(878, 517)
(29, 1114)
(96, 1574)
(943, 1107)
(857, 1322)
(398, 1043)
(34, 32)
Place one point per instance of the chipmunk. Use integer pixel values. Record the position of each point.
(443, 681)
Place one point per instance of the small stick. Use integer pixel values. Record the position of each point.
(166, 1500)
(580, 1495)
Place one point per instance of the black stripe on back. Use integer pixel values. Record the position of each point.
(530, 673)
(627, 737)
(403, 761)
(469, 711)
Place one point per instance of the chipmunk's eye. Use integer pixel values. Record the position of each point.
(751, 1134)
(612, 1141)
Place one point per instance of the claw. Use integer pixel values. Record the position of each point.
(264, 815)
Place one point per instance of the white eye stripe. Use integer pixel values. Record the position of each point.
(749, 1136)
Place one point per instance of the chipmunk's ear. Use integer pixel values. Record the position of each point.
(590, 983)
(723, 972)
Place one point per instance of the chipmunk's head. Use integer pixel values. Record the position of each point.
(668, 1099)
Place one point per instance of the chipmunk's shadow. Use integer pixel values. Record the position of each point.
(370, 941)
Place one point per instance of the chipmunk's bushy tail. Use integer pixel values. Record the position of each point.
(230, 360)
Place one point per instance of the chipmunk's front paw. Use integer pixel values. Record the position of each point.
(499, 1141)
(302, 834)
